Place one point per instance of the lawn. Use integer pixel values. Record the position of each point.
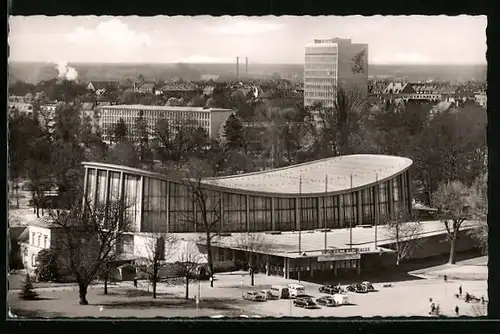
(122, 303)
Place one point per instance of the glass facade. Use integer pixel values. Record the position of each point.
(154, 205)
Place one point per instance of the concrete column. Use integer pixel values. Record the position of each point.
(247, 206)
(286, 267)
(140, 203)
(359, 208)
(267, 265)
(85, 181)
(391, 196)
(273, 220)
(359, 266)
(319, 210)
(106, 190)
(167, 207)
(340, 203)
(94, 195)
(297, 214)
(221, 205)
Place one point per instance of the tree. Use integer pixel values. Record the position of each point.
(233, 133)
(253, 244)
(159, 247)
(46, 269)
(405, 229)
(87, 238)
(207, 215)
(480, 212)
(123, 153)
(120, 131)
(189, 263)
(28, 292)
(142, 134)
(454, 202)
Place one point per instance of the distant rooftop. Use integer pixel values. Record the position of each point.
(365, 169)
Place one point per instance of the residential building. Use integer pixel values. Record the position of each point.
(481, 98)
(101, 87)
(413, 91)
(146, 87)
(212, 120)
(22, 104)
(34, 238)
(333, 63)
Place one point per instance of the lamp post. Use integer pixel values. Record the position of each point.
(299, 220)
(325, 211)
(377, 207)
(350, 220)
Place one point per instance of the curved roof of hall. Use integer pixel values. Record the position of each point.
(365, 169)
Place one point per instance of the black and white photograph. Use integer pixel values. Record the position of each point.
(247, 167)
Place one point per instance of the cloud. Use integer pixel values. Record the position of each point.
(198, 59)
(245, 27)
(112, 33)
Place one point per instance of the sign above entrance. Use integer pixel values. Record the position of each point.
(346, 250)
(339, 257)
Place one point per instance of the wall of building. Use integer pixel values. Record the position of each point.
(347, 78)
(154, 205)
(39, 238)
(218, 119)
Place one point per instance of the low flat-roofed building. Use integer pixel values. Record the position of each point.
(212, 120)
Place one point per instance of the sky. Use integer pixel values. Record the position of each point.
(268, 39)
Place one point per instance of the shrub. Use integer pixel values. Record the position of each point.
(47, 270)
(28, 292)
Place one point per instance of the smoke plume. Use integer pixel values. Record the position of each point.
(66, 72)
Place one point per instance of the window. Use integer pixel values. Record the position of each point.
(39, 239)
(396, 189)
(308, 211)
(33, 260)
(155, 206)
(45, 239)
(131, 197)
(181, 209)
(350, 209)
(383, 200)
(32, 238)
(331, 211)
(235, 212)
(260, 214)
(368, 206)
(101, 187)
(285, 214)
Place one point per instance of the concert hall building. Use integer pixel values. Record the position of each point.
(309, 210)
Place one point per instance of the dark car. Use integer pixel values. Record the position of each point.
(304, 296)
(307, 303)
(357, 287)
(326, 301)
(329, 289)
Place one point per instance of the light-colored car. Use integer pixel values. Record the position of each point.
(280, 291)
(296, 289)
(341, 299)
(254, 296)
(269, 294)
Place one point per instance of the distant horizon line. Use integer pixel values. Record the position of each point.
(226, 63)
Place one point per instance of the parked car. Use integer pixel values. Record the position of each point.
(330, 289)
(254, 296)
(296, 289)
(369, 286)
(326, 301)
(280, 291)
(269, 294)
(341, 299)
(357, 287)
(307, 303)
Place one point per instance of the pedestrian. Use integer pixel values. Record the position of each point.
(430, 300)
(460, 291)
(482, 299)
(437, 309)
(135, 282)
(445, 278)
(433, 308)
(457, 310)
(467, 297)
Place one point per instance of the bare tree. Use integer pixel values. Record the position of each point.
(87, 239)
(189, 262)
(159, 247)
(207, 213)
(253, 244)
(454, 202)
(405, 229)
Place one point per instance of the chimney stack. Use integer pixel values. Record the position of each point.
(246, 65)
(237, 67)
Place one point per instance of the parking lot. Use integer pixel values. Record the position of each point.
(409, 298)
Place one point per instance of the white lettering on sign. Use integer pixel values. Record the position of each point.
(338, 257)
